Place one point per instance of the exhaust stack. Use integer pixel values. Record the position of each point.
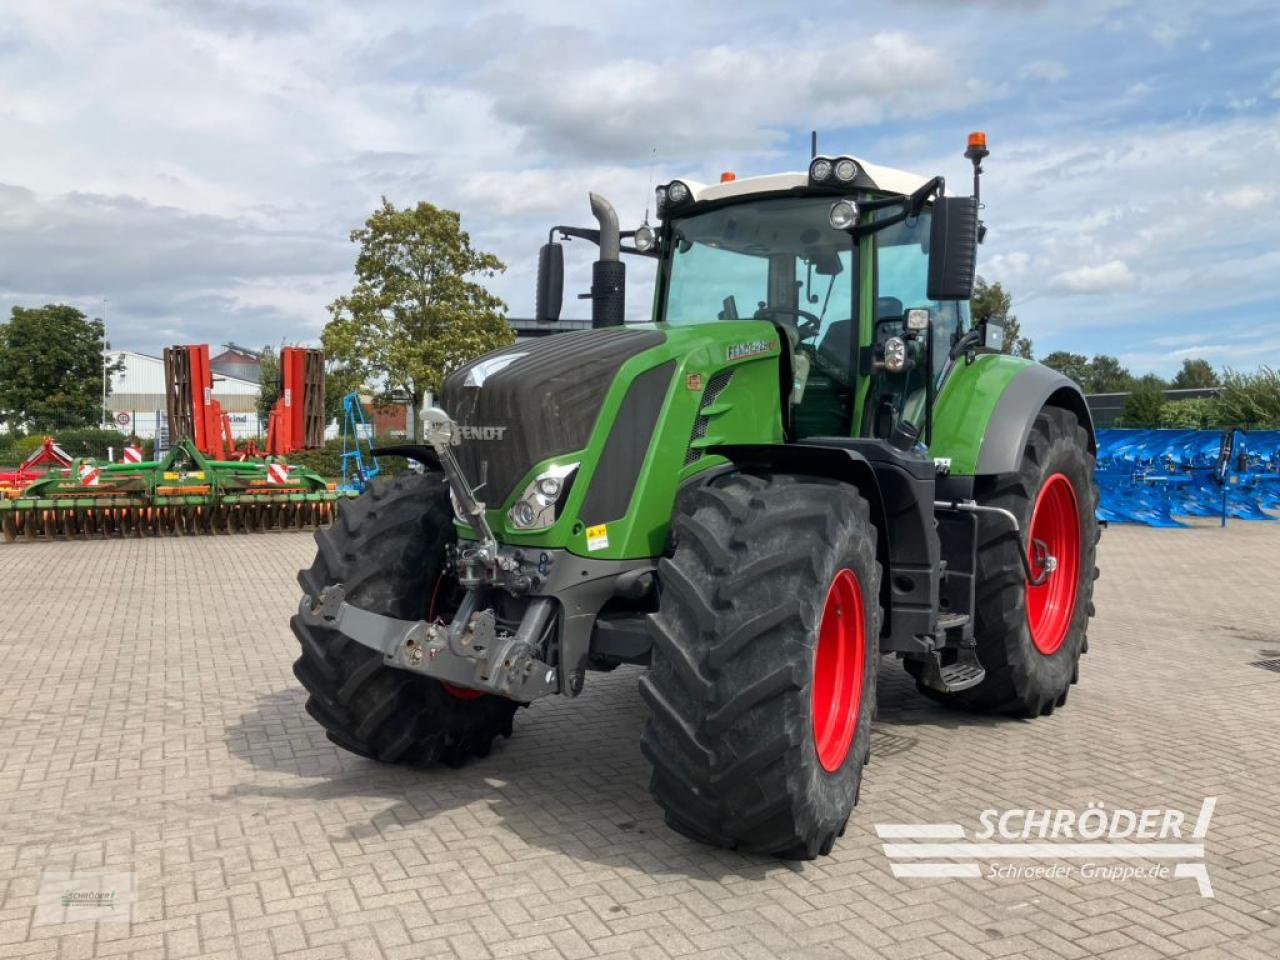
(609, 273)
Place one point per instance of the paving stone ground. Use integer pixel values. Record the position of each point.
(150, 724)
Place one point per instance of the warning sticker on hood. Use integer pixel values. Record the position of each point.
(598, 537)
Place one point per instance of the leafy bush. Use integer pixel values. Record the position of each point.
(91, 442)
(1201, 413)
(1145, 403)
(327, 461)
(1251, 399)
(13, 450)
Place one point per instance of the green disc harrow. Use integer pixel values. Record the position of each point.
(184, 493)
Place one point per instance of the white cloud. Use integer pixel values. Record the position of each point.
(724, 98)
(201, 164)
(1048, 70)
(1108, 277)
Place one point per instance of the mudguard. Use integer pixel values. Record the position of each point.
(1009, 426)
(984, 412)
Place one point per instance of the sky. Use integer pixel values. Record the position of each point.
(192, 169)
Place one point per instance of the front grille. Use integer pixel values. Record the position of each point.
(542, 403)
(715, 387)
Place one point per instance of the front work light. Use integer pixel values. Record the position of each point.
(843, 214)
(539, 502)
(644, 238)
(678, 193)
(917, 319)
(846, 170)
(820, 170)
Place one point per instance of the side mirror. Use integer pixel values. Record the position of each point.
(953, 248)
(550, 283)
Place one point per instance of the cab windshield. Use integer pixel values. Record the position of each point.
(780, 260)
(777, 260)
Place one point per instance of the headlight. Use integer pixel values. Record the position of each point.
(644, 238)
(843, 214)
(895, 354)
(846, 170)
(677, 192)
(820, 169)
(660, 199)
(539, 502)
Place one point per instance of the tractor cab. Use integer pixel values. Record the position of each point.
(864, 271)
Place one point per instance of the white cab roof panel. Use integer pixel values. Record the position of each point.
(887, 179)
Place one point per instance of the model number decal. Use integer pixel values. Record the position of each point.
(751, 348)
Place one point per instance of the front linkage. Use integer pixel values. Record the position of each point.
(475, 650)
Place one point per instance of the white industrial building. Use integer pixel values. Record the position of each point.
(137, 398)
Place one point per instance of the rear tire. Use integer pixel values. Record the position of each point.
(1030, 638)
(387, 547)
(765, 649)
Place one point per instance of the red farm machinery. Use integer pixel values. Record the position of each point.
(205, 483)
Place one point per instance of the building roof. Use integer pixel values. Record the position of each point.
(236, 356)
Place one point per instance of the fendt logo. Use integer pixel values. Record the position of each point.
(481, 433)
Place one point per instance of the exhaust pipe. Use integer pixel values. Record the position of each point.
(609, 273)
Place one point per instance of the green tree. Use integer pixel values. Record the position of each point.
(1251, 399)
(416, 312)
(52, 361)
(1195, 373)
(1107, 375)
(992, 302)
(1074, 365)
(339, 380)
(1145, 404)
(269, 378)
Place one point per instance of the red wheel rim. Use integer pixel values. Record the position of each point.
(462, 693)
(838, 667)
(1055, 524)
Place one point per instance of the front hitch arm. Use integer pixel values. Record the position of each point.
(468, 653)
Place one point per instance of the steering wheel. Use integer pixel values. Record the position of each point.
(805, 330)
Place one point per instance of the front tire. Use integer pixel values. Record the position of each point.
(387, 547)
(765, 649)
(1030, 638)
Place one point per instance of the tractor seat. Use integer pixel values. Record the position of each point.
(838, 341)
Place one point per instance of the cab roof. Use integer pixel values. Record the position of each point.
(872, 176)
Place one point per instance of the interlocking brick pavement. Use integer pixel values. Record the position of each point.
(149, 722)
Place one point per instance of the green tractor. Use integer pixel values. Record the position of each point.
(807, 460)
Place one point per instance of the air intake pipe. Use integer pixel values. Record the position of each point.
(609, 273)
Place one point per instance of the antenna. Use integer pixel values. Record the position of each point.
(813, 144)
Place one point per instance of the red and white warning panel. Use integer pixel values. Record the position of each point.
(277, 473)
(132, 455)
(88, 474)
